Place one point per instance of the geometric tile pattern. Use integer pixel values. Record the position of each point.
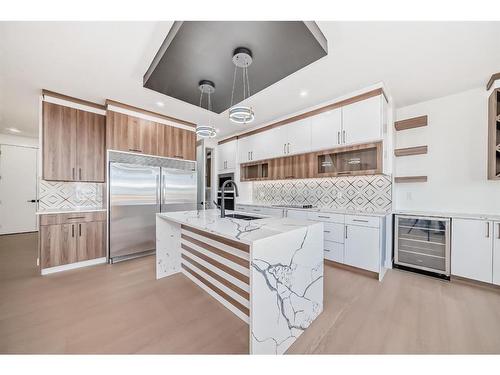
(55, 194)
(361, 193)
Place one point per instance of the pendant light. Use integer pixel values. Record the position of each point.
(240, 114)
(206, 87)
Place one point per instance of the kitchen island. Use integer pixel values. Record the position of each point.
(268, 272)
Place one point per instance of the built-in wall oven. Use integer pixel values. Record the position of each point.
(228, 193)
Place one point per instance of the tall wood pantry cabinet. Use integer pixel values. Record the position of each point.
(73, 144)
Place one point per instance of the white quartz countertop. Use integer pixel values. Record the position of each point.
(69, 210)
(236, 229)
(320, 209)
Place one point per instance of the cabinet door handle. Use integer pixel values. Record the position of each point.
(72, 230)
(487, 229)
(76, 217)
(79, 173)
(360, 221)
(288, 148)
(338, 137)
(284, 148)
(251, 155)
(248, 156)
(343, 135)
(327, 250)
(73, 173)
(346, 231)
(498, 231)
(79, 230)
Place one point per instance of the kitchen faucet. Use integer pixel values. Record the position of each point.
(222, 201)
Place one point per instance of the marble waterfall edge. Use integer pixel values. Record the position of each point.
(287, 288)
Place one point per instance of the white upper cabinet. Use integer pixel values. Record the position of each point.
(298, 137)
(496, 253)
(245, 147)
(326, 129)
(472, 249)
(362, 121)
(270, 143)
(226, 156)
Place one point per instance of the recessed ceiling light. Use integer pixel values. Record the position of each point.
(13, 130)
(160, 104)
(304, 93)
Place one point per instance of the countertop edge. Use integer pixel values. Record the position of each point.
(69, 211)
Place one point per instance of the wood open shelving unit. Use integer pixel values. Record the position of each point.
(414, 122)
(409, 179)
(494, 135)
(408, 151)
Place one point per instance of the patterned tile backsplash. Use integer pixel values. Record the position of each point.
(54, 195)
(360, 193)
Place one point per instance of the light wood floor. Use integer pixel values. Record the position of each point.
(121, 308)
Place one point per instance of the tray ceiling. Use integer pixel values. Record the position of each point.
(197, 50)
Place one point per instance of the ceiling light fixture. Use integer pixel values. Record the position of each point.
(206, 87)
(13, 130)
(240, 114)
(304, 93)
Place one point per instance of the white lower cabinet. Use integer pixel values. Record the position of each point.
(496, 253)
(334, 251)
(362, 247)
(472, 249)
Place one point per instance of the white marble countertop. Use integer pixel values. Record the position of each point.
(70, 210)
(320, 209)
(453, 215)
(236, 229)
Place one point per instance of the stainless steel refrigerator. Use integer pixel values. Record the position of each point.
(138, 189)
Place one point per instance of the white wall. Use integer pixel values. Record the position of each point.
(456, 164)
(15, 140)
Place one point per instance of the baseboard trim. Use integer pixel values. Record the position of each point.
(471, 282)
(71, 266)
(373, 275)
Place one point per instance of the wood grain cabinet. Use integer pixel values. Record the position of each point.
(129, 133)
(70, 238)
(174, 142)
(73, 144)
(134, 134)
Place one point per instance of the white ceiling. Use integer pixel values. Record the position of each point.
(417, 61)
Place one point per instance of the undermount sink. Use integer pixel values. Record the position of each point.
(243, 217)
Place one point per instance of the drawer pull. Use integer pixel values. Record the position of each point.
(76, 217)
(324, 217)
(134, 150)
(360, 221)
(179, 156)
(326, 231)
(327, 250)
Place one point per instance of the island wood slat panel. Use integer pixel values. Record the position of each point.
(414, 122)
(217, 265)
(418, 150)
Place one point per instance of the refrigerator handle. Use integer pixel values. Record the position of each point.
(158, 192)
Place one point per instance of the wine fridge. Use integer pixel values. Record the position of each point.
(422, 243)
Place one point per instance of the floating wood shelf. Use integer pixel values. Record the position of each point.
(418, 150)
(408, 179)
(414, 122)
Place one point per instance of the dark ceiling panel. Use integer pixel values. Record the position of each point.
(196, 50)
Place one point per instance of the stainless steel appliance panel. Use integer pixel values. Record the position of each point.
(179, 190)
(134, 200)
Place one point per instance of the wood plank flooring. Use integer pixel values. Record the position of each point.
(122, 308)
